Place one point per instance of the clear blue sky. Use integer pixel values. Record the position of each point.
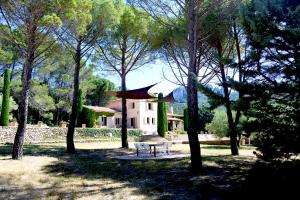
(147, 75)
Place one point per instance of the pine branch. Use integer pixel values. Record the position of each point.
(215, 98)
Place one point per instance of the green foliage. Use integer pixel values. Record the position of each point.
(218, 22)
(88, 117)
(219, 124)
(205, 116)
(79, 13)
(5, 56)
(272, 95)
(215, 98)
(57, 71)
(132, 22)
(6, 99)
(125, 46)
(162, 35)
(179, 132)
(40, 100)
(13, 106)
(162, 121)
(186, 119)
(105, 132)
(95, 91)
(105, 12)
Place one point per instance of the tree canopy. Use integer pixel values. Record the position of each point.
(271, 95)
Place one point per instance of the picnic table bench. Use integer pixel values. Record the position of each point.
(146, 149)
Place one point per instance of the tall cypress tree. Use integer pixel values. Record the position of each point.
(5, 101)
(162, 121)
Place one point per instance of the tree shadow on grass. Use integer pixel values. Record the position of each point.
(35, 150)
(53, 191)
(223, 177)
(158, 179)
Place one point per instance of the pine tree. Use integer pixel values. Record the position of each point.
(162, 121)
(131, 50)
(222, 40)
(272, 97)
(29, 18)
(5, 101)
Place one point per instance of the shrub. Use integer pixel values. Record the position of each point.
(179, 131)
(219, 124)
(105, 132)
(88, 117)
(205, 116)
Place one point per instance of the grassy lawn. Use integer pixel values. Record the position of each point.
(46, 172)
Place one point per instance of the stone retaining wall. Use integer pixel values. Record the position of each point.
(37, 134)
(33, 134)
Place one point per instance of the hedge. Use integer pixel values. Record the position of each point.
(106, 132)
(89, 117)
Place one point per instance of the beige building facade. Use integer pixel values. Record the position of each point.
(141, 114)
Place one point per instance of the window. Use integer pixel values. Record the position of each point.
(133, 105)
(149, 106)
(153, 120)
(148, 120)
(118, 121)
(104, 121)
(132, 122)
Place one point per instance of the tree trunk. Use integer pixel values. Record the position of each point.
(73, 118)
(124, 115)
(196, 162)
(12, 70)
(231, 124)
(57, 117)
(17, 152)
(237, 45)
(123, 88)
